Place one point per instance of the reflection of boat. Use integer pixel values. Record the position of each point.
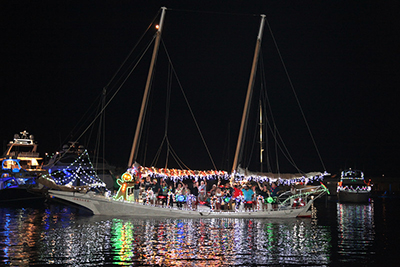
(356, 231)
(352, 187)
(19, 169)
(106, 205)
(72, 166)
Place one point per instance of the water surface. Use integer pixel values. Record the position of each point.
(337, 234)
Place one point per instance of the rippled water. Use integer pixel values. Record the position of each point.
(338, 234)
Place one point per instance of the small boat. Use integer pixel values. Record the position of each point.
(286, 205)
(73, 166)
(20, 167)
(352, 187)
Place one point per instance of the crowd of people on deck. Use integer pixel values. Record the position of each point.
(215, 194)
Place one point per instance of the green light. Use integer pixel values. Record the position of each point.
(327, 190)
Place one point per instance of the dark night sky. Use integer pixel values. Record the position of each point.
(342, 57)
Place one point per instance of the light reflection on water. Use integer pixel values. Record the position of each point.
(57, 235)
(34, 237)
(356, 231)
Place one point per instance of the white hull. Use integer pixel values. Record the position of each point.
(101, 205)
(355, 197)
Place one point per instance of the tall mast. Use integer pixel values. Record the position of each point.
(138, 132)
(242, 132)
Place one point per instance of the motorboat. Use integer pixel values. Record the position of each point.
(20, 167)
(352, 187)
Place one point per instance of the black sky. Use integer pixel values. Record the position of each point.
(342, 58)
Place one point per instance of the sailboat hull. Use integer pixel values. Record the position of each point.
(100, 205)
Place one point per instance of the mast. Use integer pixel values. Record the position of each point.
(242, 132)
(138, 132)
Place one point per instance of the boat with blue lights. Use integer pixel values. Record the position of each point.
(352, 187)
(20, 168)
(73, 166)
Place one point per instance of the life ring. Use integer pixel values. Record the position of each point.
(298, 202)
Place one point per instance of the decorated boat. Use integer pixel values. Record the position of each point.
(20, 167)
(286, 204)
(73, 166)
(352, 187)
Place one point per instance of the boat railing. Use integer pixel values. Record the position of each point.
(302, 194)
(284, 201)
(24, 154)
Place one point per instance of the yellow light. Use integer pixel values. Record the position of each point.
(157, 26)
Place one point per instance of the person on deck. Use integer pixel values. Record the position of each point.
(273, 192)
(163, 193)
(237, 192)
(179, 195)
(248, 197)
(156, 191)
(202, 191)
(265, 194)
(186, 193)
(136, 191)
(171, 195)
(228, 193)
(254, 197)
(219, 195)
(195, 192)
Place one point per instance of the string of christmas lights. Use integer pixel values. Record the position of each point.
(79, 171)
(351, 188)
(180, 175)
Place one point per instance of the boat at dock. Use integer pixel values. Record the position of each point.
(20, 168)
(352, 187)
(288, 204)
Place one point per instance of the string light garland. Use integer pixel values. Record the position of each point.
(352, 189)
(196, 175)
(79, 171)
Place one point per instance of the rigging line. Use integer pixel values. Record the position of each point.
(130, 53)
(81, 119)
(115, 93)
(263, 82)
(168, 100)
(276, 151)
(294, 92)
(187, 103)
(167, 108)
(253, 145)
(177, 159)
(112, 97)
(100, 132)
(156, 157)
(274, 132)
(213, 12)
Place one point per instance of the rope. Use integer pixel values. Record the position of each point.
(190, 109)
(294, 92)
(113, 77)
